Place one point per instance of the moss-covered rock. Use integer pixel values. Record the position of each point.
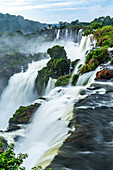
(63, 80)
(3, 144)
(74, 79)
(57, 66)
(57, 52)
(23, 114)
(94, 59)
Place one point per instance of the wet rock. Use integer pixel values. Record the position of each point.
(104, 74)
(13, 128)
(23, 115)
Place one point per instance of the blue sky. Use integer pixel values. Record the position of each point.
(53, 11)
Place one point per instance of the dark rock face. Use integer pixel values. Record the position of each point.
(3, 144)
(104, 74)
(90, 145)
(22, 116)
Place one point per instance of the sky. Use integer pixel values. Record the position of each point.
(53, 11)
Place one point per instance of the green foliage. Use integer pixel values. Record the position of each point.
(63, 80)
(74, 79)
(58, 66)
(57, 52)
(9, 160)
(94, 59)
(104, 36)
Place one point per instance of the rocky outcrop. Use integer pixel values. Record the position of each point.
(104, 74)
(57, 66)
(3, 144)
(22, 116)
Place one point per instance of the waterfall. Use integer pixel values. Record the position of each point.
(50, 85)
(84, 46)
(58, 35)
(20, 91)
(79, 36)
(66, 34)
(49, 127)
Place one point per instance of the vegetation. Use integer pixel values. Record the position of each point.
(9, 160)
(57, 66)
(63, 80)
(104, 36)
(94, 59)
(23, 114)
(74, 79)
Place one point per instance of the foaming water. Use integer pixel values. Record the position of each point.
(49, 127)
(20, 91)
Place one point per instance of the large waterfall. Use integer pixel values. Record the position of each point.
(20, 91)
(49, 127)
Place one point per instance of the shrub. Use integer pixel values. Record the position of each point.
(9, 161)
(94, 59)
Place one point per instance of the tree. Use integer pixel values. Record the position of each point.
(9, 161)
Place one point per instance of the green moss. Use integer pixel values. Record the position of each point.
(104, 36)
(57, 52)
(74, 79)
(94, 59)
(23, 114)
(63, 80)
(58, 66)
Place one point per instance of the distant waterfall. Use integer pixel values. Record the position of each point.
(58, 35)
(20, 91)
(69, 35)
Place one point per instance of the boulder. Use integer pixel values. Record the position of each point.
(104, 74)
(22, 116)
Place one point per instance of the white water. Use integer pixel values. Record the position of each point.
(58, 35)
(50, 85)
(20, 91)
(49, 126)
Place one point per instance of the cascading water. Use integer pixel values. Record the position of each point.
(50, 85)
(49, 130)
(20, 91)
(58, 35)
(49, 127)
(51, 121)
